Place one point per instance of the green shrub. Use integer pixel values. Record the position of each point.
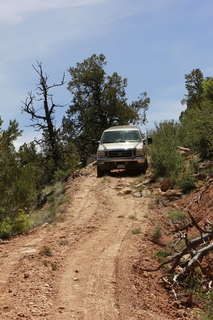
(207, 314)
(137, 231)
(21, 224)
(156, 233)
(177, 215)
(18, 225)
(5, 228)
(54, 265)
(165, 159)
(162, 254)
(186, 182)
(47, 251)
(194, 165)
(132, 217)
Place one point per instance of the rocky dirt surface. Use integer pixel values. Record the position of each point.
(87, 264)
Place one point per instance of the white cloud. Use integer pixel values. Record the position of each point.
(13, 11)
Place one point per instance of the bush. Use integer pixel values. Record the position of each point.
(5, 228)
(21, 223)
(161, 255)
(186, 182)
(137, 231)
(18, 225)
(177, 215)
(156, 233)
(165, 159)
(196, 129)
(46, 251)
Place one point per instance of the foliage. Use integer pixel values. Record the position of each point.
(194, 87)
(53, 205)
(132, 217)
(5, 228)
(17, 185)
(162, 254)
(98, 102)
(156, 233)
(197, 129)
(208, 307)
(54, 265)
(177, 215)
(165, 159)
(137, 231)
(196, 120)
(186, 182)
(19, 225)
(47, 251)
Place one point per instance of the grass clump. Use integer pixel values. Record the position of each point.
(106, 179)
(46, 251)
(137, 231)
(156, 233)
(161, 255)
(177, 216)
(53, 206)
(54, 265)
(132, 217)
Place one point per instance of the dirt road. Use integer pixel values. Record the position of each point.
(81, 266)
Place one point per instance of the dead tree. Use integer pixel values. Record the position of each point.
(43, 116)
(183, 264)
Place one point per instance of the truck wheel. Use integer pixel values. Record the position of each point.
(145, 166)
(100, 172)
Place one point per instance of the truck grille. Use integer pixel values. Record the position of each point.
(120, 153)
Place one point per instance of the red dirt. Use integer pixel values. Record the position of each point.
(94, 270)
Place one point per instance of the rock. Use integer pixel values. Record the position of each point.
(200, 176)
(166, 185)
(137, 194)
(145, 274)
(172, 194)
(127, 191)
(145, 192)
(26, 275)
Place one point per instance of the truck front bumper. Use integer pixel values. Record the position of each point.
(128, 164)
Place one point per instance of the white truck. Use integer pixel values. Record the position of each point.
(121, 147)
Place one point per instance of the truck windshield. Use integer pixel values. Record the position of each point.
(121, 136)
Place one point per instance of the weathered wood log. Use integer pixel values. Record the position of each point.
(42, 199)
(193, 253)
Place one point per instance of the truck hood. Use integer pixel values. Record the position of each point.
(120, 145)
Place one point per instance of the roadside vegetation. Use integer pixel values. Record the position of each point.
(34, 176)
(193, 132)
(30, 176)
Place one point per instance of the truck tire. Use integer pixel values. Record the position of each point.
(145, 166)
(100, 172)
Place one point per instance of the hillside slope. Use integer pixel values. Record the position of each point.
(81, 267)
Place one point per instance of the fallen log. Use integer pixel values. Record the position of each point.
(184, 263)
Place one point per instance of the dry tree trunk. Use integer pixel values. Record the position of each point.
(184, 263)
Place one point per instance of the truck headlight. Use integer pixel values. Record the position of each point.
(140, 153)
(101, 154)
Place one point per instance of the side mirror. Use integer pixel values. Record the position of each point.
(149, 140)
(94, 143)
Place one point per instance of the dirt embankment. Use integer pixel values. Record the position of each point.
(81, 267)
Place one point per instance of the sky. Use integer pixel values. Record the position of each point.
(152, 43)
